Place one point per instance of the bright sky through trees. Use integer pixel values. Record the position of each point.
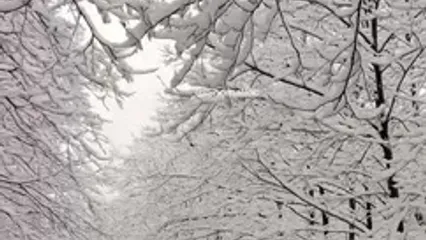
(138, 109)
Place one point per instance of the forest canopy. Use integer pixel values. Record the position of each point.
(309, 110)
(293, 119)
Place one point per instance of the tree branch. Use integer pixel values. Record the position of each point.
(283, 80)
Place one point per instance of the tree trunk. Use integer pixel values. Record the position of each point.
(312, 211)
(384, 125)
(391, 183)
(352, 206)
(324, 217)
(368, 214)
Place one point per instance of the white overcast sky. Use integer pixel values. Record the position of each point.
(139, 108)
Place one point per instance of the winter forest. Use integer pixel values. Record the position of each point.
(281, 120)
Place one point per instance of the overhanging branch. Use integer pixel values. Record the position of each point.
(283, 80)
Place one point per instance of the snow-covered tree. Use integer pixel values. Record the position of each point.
(136, 182)
(50, 140)
(318, 103)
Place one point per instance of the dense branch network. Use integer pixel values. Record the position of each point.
(327, 95)
(49, 137)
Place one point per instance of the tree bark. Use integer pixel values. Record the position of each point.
(324, 217)
(384, 124)
(352, 206)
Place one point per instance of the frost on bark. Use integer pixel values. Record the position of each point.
(49, 138)
(299, 95)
